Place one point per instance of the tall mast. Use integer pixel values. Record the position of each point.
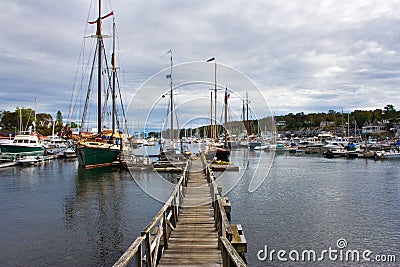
(342, 125)
(172, 97)
(99, 59)
(247, 114)
(348, 124)
(226, 112)
(211, 117)
(114, 73)
(20, 119)
(215, 100)
(34, 120)
(243, 115)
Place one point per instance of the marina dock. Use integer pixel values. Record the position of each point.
(192, 229)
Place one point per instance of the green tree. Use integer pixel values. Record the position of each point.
(389, 112)
(59, 121)
(361, 117)
(376, 115)
(11, 121)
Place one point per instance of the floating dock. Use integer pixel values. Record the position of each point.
(224, 167)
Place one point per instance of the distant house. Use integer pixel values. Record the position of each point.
(375, 127)
(323, 124)
(280, 123)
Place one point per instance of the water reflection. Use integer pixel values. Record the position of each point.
(59, 215)
(95, 210)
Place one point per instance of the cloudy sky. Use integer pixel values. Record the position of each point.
(305, 56)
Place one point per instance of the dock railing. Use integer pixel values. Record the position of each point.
(230, 257)
(154, 238)
(158, 231)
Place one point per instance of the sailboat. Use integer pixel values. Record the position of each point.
(223, 149)
(104, 147)
(218, 150)
(168, 149)
(252, 140)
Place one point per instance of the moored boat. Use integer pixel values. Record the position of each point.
(97, 154)
(387, 154)
(104, 146)
(70, 153)
(55, 145)
(26, 143)
(30, 160)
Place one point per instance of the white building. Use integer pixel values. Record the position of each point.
(374, 128)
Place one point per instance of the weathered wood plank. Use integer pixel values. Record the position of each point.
(130, 252)
(231, 255)
(238, 239)
(194, 242)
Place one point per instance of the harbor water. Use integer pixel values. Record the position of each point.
(57, 214)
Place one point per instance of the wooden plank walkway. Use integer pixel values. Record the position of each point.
(194, 242)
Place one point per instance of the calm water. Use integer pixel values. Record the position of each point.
(59, 215)
(310, 202)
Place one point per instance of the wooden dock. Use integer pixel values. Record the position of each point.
(195, 239)
(192, 228)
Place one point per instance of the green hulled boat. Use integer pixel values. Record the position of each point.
(25, 144)
(104, 147)
(97, 154)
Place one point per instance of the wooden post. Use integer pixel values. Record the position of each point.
(139, 256)
(149, 258)
(219, 189)
(174, 212)
(164, 225)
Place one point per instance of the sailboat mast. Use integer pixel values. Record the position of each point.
(114, 73)
(34, 120)
(243, 115)
(247, 114)
(226, 112)
(172, 98)
(348, 124)
(99, 59)
(342, 125)
(211, 116)
(215, 100)
(20, 119)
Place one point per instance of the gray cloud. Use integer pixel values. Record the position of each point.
(308, 56)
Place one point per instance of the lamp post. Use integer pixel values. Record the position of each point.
(215, 97)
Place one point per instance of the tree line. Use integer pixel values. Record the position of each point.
(357, 118)
(24, 119)
(388, 116)
(11, 121)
